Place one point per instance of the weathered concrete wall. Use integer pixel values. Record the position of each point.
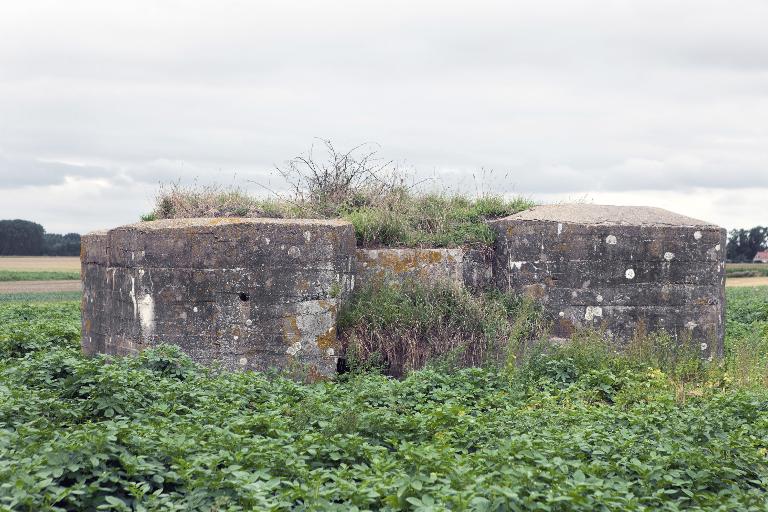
(248, 293)
(617, 267)
(264, 293)
(466, 267)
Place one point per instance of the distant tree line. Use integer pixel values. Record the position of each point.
(25, 238)
(743, 244)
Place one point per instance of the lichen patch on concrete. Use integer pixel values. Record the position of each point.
(465, 267)
(146, 307)
(593, 312)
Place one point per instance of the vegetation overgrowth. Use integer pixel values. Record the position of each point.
(574, 427)
(401, 327)
(38, 275)
(746, 269)
(387, 206)
(399, 218)
(40, 296)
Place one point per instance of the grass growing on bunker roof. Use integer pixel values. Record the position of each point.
(386, 205)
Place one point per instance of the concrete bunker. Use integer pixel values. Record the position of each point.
(248, 293)
(622, 268)
(258, 294)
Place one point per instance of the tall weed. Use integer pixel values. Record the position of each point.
(387, 206)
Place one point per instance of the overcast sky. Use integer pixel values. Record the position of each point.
(654, 102)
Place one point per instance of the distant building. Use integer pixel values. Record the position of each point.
(761, 257)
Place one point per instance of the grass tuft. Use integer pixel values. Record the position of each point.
(38, 275)
(746, 270)
(40, 296)
(401, 328)
(374, 195)
(396, 218)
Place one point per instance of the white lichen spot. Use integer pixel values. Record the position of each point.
(592, 312)
(266, 240)
(516, 265)
(629, 274)
(236, 337)
(704, 346)
(329, 352)
(294, 252)
(610, 240)
(243, 361)
(132, 295)
(717, 247)
(697, 235)
(293, 349)
(194, 309)
(559, 228)
(307, 236)
(691, 325)
(561, 314)
(141, 272)
(599, 298)
(669, 256)
(147, 315)
(248, 322)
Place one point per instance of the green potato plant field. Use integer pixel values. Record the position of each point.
(577, 427)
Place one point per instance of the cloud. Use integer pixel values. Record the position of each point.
(77, 204)
(557, 97)
(19, 171)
